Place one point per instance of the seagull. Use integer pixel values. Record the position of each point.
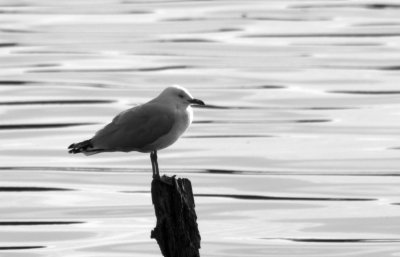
(145, 128)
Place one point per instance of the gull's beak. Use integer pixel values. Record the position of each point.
(196, 101)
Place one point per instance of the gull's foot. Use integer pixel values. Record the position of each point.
(156, 176)
(167, 180)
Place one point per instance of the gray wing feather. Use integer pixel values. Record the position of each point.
(133, 129)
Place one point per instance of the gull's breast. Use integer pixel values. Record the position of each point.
(183, 118)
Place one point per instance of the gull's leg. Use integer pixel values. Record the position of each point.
(154, 164)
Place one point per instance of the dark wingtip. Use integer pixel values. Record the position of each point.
(80, 147)
(74, 151)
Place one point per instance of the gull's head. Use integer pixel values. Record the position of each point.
(180, 96)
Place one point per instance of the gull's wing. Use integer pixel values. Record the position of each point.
(134, 128)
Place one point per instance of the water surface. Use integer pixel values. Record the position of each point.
(296, 153)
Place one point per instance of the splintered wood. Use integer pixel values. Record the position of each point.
(176, 231)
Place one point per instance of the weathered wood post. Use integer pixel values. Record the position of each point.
(176, 231)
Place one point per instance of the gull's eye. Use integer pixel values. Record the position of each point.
(181, 96)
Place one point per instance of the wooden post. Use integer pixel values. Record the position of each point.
(176, 231)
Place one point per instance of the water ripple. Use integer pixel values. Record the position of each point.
(8, 248)
(282, 198)
(32, 189)
(366, 92)
(313, 121)
(8, 44)
(229, 136)
(14, 82)
(337, 240)
(374, 6)
(47, 102)
(209, 171)
(38, 223)
(270, 198)
(150, 69)
(186, 40)
(323, 35)
(42, 126)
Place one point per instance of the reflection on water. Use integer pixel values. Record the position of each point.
(296, 153)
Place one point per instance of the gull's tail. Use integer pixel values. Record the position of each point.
(85, 147)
